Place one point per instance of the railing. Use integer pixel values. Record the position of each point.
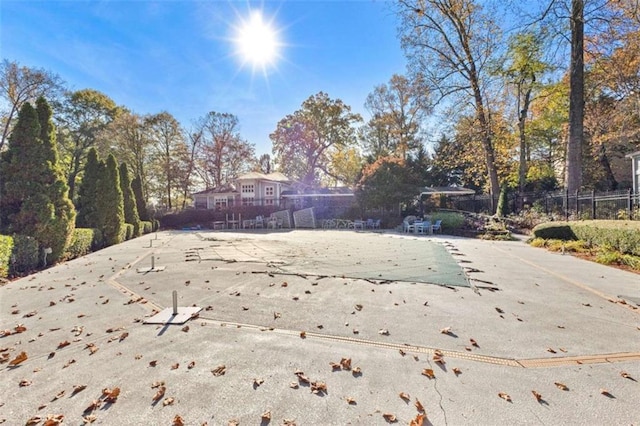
(610, 205)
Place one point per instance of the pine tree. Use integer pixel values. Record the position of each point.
(110, 203)
(141, 205)
(34, 195)
(87, 202)
(130, 209)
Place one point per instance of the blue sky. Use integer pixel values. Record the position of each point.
(180, 56)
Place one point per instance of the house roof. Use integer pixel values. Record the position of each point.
(217, 190)
(275, 176)
(446, 190)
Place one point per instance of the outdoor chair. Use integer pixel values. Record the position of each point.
(376, 224)
(408, 227)
(422, 227)
(437, 227)
(259, 222)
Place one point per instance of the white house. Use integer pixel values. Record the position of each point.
(635, 171)
(250, 189)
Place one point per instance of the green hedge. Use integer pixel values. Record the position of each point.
(6, 246)
(83, 241)
(450, 220)
(620, 235)
(25, 255)
(147, 227)
(127, 232)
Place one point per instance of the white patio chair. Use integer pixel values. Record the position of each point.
(437, 227)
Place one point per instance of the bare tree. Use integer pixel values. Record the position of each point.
(20, 84)
(450, 43)
(222, 153)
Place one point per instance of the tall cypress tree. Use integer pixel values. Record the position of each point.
(110, 203)
(141, 205)
(130, 209)
(35, 198)
(87, 202)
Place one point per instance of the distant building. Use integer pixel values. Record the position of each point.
(250, 189)
(635, 170)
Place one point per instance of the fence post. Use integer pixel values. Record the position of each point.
(593, 204)
(566, 205)
(577, 205)
(629, 204)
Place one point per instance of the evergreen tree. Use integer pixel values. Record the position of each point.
(130, 209)
(110, 203)
(141, 205)
(35, 196)
(87, 202)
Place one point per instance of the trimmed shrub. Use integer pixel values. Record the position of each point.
(147, 227)
(450, 220)
(129, 231)
(622, 236)
(554, 231)
(98, 240)
(82, 242)
(6, 245)
(156, 224)
(25, 255)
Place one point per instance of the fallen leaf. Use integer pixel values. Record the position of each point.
(185, 328)
(456, 371)
(20, 328)
(551, 350)
(34, 421)
(294, 385)
(429, 373)
(404, 396)
(175, 366)
(24, 383)
(606, 393)
(191, 365)
(403, 353)
(153, 363)
(276, 315)
(58, 395)
(68, 363)
(504, 396)
(390, 418)
(303, 334)
(419, 406)
(474, 343)
(90, 418)
(537, 396)
(178, 421)
(111, 395)
(318, 387)
(350, 400)
(335, 366)
(626, 375)
(288, 422)
(500, 311)
(95, 404)
(438, 358)
(561, 386)
(159, 394)
(157, 384)
(78, 388)
(358, 307)
(356, 371)
(418, 421)
(219, 370)
(383, 331)
(63, 344)
(266, 416)
(446, 330)
(22, 356)
(53, 420)
(123, 336)
(346, 363)
(168, 401)
(257, 382)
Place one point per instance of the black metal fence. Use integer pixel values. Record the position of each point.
(613, 205)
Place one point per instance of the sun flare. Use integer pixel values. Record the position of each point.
(257, 42)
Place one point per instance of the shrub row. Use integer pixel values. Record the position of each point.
(83, 241)
(6, 246)
(622, 236)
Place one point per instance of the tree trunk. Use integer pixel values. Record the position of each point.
(523, 166)
(573, 180)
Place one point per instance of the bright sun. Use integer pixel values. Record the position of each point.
(257, 42)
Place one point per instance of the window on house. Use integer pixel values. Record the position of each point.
(268, 202)
(221, 202)
(247, 189)
(247, 201)
(269, 191)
